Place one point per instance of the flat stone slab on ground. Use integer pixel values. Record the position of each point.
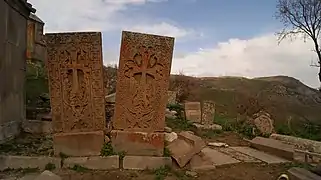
(296, 173)
(274, 147)
(209, 158)
(17, 162)
(145, 162)
(94, 162)
(185, 147)
(267, 158)
(238, 155)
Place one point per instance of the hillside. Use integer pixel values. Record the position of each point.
(293, 105)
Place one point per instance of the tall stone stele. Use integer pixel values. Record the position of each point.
(74, 62)
(141, 94)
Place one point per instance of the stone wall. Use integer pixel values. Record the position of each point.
(13, 35)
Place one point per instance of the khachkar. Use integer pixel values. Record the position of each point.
(142, 85)
(74, 62)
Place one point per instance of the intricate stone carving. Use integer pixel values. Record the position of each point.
(74, 65)
(143, 79)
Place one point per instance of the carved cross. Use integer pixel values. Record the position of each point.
(75, 66)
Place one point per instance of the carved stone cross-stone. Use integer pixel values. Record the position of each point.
(74, 62)
(142, 84)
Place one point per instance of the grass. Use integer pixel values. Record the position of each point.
(79, 168)
(50, 167)
(107, 150)
(179, 124)
(164, 171)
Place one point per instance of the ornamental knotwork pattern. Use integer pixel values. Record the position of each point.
(143, 72)
(76, 93)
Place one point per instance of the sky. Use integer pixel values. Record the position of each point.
(212, 37)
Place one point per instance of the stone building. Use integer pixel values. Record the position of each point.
(13, 41)
(36, 48)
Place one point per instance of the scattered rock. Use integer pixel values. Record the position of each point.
(170, 137)
(111, 98)
(185, 147)
(191, 173)
(263, 122)
(107, 139)
(191, 132)
(170, 114)
(47, 117)
(47, 175)
(217, 144)
(208, 126)
(168, 129)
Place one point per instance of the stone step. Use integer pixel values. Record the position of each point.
(272, 146)
(265, 157)
(296, 173)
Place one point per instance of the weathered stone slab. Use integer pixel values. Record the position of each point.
(267, 158)
(263, 122)
(94, 162)
(17, 162)
(138, 143)
(171, 97)
(185, 147)
(210, 157)
(145, 162)
(37, 126)
(193, 111)
(47, 175)
(74, 62)
(79, 144)
(306, 144)
(296, 173)
(208, 112)
(274, 147)
(238, 155)
(142, 81)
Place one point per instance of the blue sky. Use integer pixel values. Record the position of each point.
(212, 37)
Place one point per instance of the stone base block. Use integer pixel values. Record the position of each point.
(138, 143)
(95, 162)
(17, 162)
(79, 144)
(37, 126)
(145, 162)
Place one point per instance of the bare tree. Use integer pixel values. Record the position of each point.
(301, 17)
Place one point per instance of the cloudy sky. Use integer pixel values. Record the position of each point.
(213, 37)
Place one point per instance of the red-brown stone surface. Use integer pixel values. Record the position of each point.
(138, 143)
(79, 144)
(142, 82)
(74, 63)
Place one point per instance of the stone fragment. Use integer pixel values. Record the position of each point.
(185, 147)
(79, 144)
(170, 114)
(17, 162)
(75, 74)
(170, 137)
(145, 162)
(107, 139)
(47, 175)
(263, 122)
(217, 144)
(138, 143)
(193, 111)
(267, 158)
(94, 162)
(208, 112)
(111, 98)
(272, 146)
(168, 129)
(191, 173)
(208, 126)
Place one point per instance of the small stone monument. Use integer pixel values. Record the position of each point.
(193, 111)
(74, 62)
(208, 112)
(142, 84)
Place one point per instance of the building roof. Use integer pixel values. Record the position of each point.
(28, 6)
(35, 18)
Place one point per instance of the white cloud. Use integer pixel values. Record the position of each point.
(259, 56)
(99, 15)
